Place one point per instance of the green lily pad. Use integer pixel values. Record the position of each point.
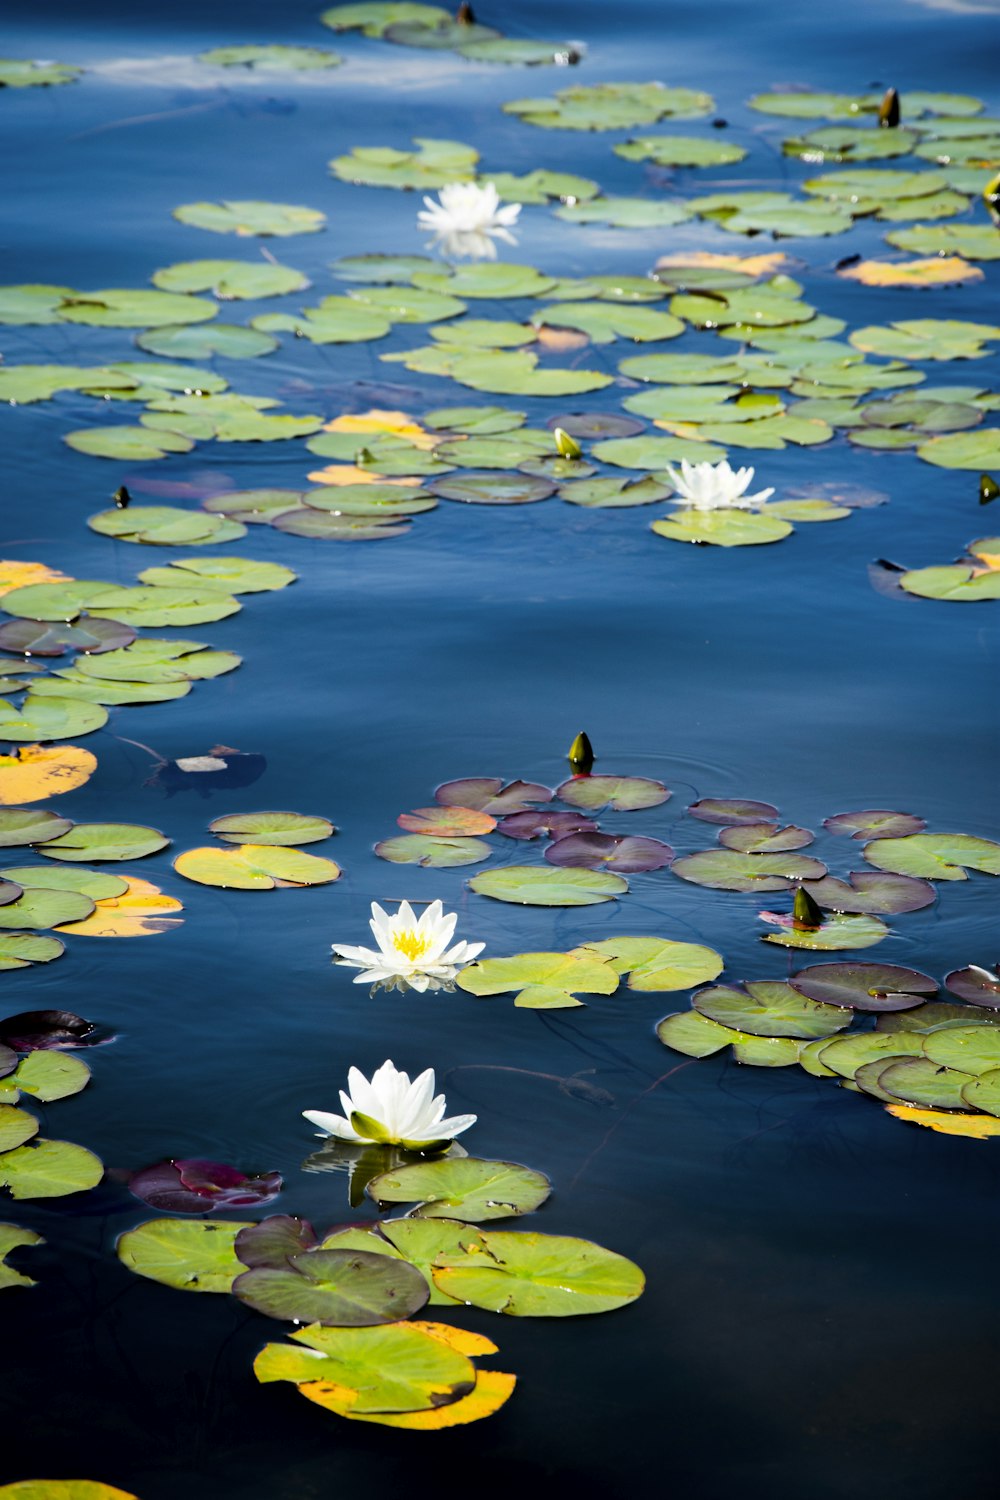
(231, 280)
(246, 217)
(373, 17)
(654, 452)
(396, 1367)
(193, 1255)
(381, 268)
(838, 930)
(534, 885)
(130, 444)
(477, 421)
(464, 1188)
(681, 151)
(24, 72)
(34, 827)
(731, 870)
(779, 215)
(229, 340)
(275, 57)
(163, 606)
(49, 1169)
(876, 893)
(105, 841)
(603, 323)
(13, 1237)
(970, 1049)
(254, 506)
(934, 856)
(766, 1007)
(850, 143)
(93, 883)
(514, 51)
(955, 583)
(515, 373)
(434, 164)
(329, 526)
(927, 339)
(543, 980)
(722, 528)
(432, 851)
(41, 719)
(74, 683)
(542, 1275)
(973, 241)
(48, 1076)
(963, 450)
(613, 494)
(845, 1055)
(983, 1093)
(42, 908)
(493, 489)
(917, 1080)
(16, 1127)
(656, 964)
(134, 309)
(233, 575)
(272, 828)
(18, 950)
(375, 501)
(485, 333)
(694, 1034)
(620, 793)
(807, 105)
(160, 525)
(625, 213)
(32, 304)
(345, 1287)
(611, 106)
(542, 186)
(444, 36)
(253, 867)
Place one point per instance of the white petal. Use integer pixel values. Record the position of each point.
(332, 1125)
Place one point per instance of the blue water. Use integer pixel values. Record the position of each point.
(819, 1319)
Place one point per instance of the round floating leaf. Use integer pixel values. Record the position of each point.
(983, 1092)
(722, 528)
(233, 575)
(447, 822)
(594, 851)
(540, 1275)
(732, 811)
(625, 213)
(36, 827)
(159, 525)
(13, 1237)
(934, 856)
(434, 164)
(42, 907)
(603, 322)
(153, 607)
(916, 1080)
(611, 106)
(620, 793)
(194, 1256)
(226, 339)
(533, 885)
(16, 1127)
(254, 867)
(544, 980)
(875, 823)
(49, 718)
(131, 444)
(463, 1188)
(765, 838)
(23, 73)
(837, 930)
(374, 17)
(432, 852)
(329, 526)
(381, 269)
(270, 828)
(976, 1127)
(134, 309)
(657, 964)
(105, 841)
(935, 271)
(693, 1034)
(39, 638)
(973, 241)
(488, 794)
(978, 986)
(845, 1055)
(963, 450)
(869, 892)
(534, 824)
(604, 494)
(933, 1014)
(274, 57)
(731, 870)
(681, 151)
(141, 911)
(348, 1288)
(770, 1008)
(970, 1049)
(245, 217)
(48, 1076)
(375, 501)
(493, 489)
(927, 339)
(957, 585)
(865, 986)
(20, 949)
(49, 1169)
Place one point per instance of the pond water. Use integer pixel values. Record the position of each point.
(818, 1317)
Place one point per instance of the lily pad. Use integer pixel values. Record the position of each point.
(625, 213)
(24, 72)
(880, 894)
(544, 981)
(970, 1049)
(603, 322)
(245, 217)
(611, 106)
(514, 51)
(770, 1008)
(917, 1080)
(104, 841)
(619, 793)
(983, 1092)
(90, 637)
(192, 1255)
(163, 606)
(865, 986)
(18, 950)
(229, 340)
(596, 851)
(681, 151)
(837, 930)
(934, 856)
(657, 964)
(49, 1169)
(730, 870)
(962, 450)
(13, 1237)
(978, 986)
(732, 811)
(348, 1288)
(373, 17)
(199, 1187)
(434, 164)
(613, 494)
(17, 827)
(765, 838)
(381, 268)
(875, 823)
(973, 241)
(49, 719)
(254, 867)
(231, 280)
(542, 1275)
(489, 794)
(271, 828)
(491, 488)
(131, 444)
(128, 308)
(161, 525)
(927, 339)
(16, 1127)
(276, 58)
(329, 526)
(540, 885)
(464, 1188)
(432, 851)
(41, 908)
(543, 823)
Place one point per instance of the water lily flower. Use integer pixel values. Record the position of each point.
(413, 951)
(467, 218)
(715, 486)
(389, 1110)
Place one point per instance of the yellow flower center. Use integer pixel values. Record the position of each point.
(409, 944)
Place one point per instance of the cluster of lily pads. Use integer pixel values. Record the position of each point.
(411, 24)
(259, 852)
(351, 1289)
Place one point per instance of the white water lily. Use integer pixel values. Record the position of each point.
(414, 951)
(467, 218)
(716, 486)
(391, 1111)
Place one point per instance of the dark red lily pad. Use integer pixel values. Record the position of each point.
(867, 987)
(620, 793)
(877, 893)
(978, 986)
(544, 824)
(875, 823)
(597, 851)
(46, 1031)
(194, 1186)
(344, 1288)
(596, 425)
(8, 1061)
(274, 1240)
(736, 811)
(488, 794)
(54, 638)
(765, 838)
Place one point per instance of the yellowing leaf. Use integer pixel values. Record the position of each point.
(560, 339)
(934, 270)
(978, 1127)
(16, 575)
(399, 423)
(492, 1389)
(141, 911)
(255, 867)
(348, 474)
(34, 772)
(990, 560)
(470, 1344)
(750, 265)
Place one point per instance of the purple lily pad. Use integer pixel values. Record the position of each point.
(978, 986)
(544, 824)
(620, 793)
(596, 425)
(46, 1031)
(197, 1187)
(8, 1061)
(274, 1240)
(488, 794)
(54, 638)
(765, 838)
(876, 893)
(736, 811)
(597, 851)
(875, 823)
(867, 987)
